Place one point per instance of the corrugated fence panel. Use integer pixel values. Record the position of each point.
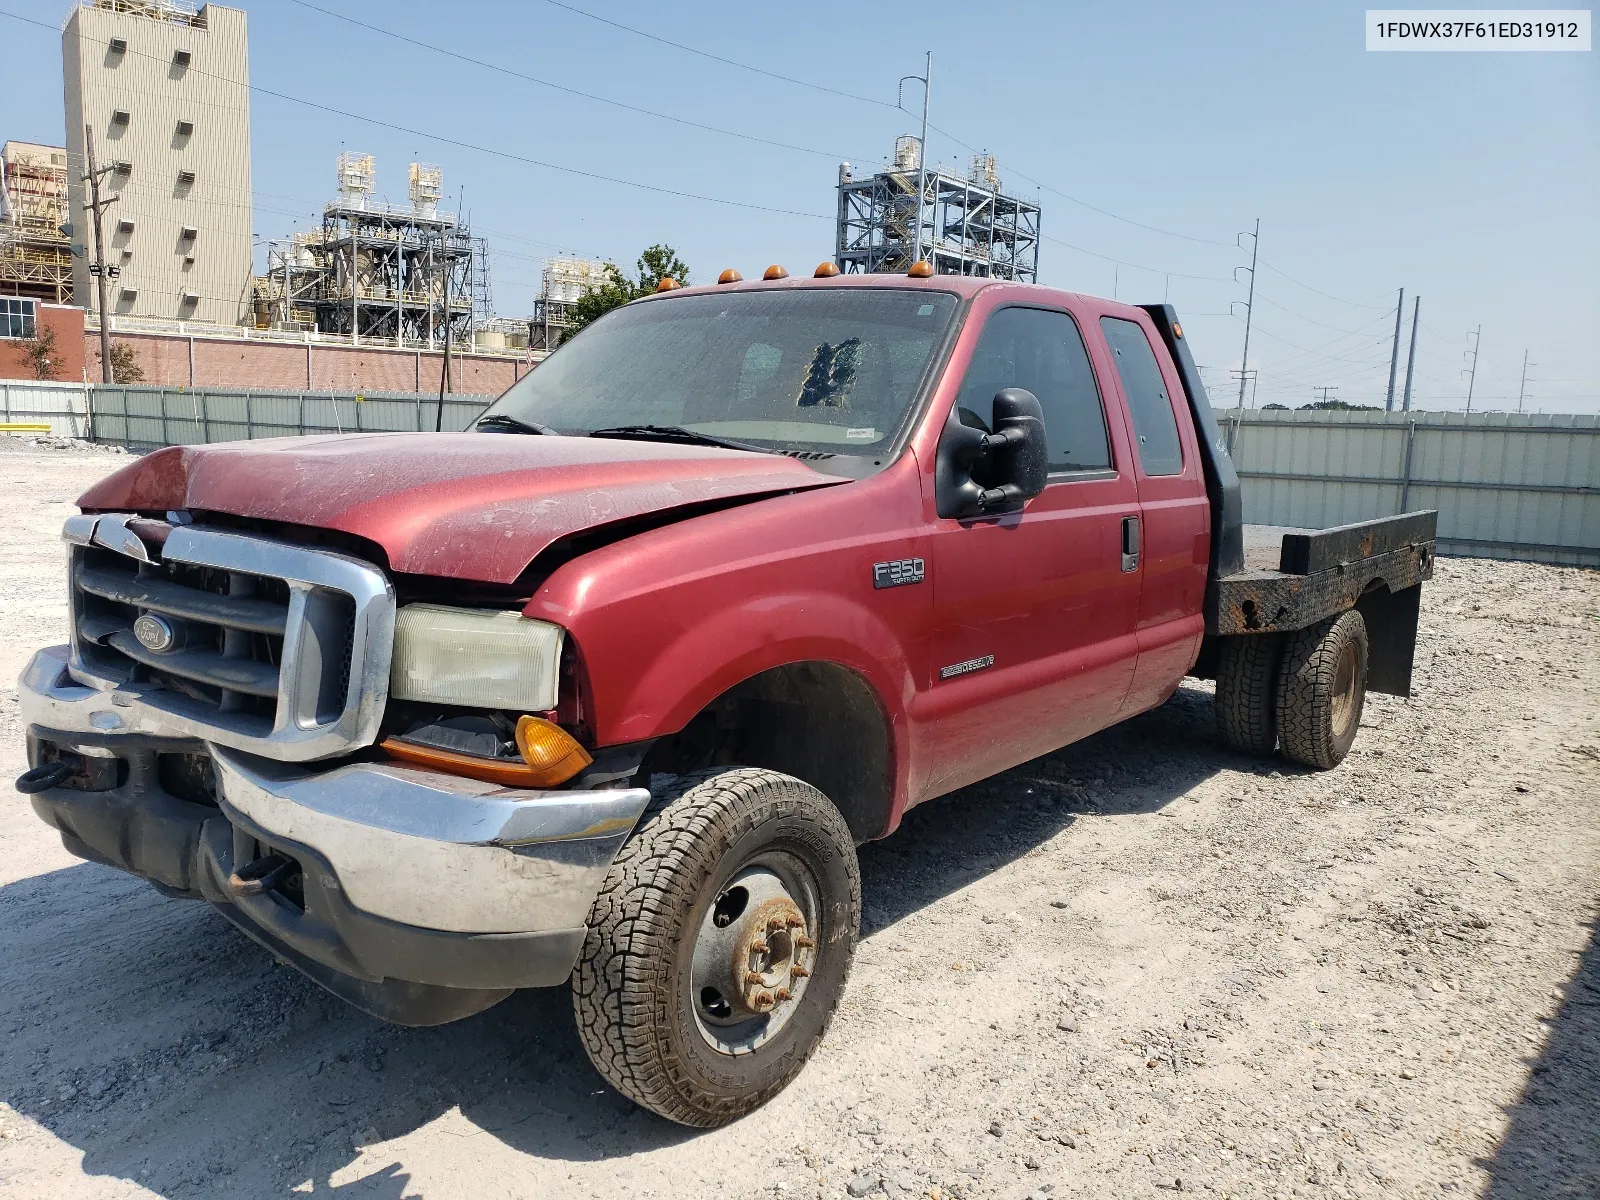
(148, 417)
(62, 406)
(1505, 485)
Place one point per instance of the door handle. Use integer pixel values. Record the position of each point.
(1130, 543)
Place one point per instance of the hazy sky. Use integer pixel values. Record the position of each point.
(1470, 178)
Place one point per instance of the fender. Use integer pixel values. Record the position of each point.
(667, 621)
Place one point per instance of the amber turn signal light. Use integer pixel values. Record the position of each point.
(920, 269)
(730, 276)
(775, 272)
(667, 284)
(550, 757)
(826, 270)
(550, 750)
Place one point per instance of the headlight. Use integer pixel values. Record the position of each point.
(474, 658)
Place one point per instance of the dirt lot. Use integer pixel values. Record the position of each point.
(1141, 966)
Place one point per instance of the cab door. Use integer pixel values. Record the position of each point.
(1175, 515)
(1034, 612)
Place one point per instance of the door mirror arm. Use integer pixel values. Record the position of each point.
(1016, 453)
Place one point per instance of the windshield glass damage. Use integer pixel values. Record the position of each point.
(827, 370)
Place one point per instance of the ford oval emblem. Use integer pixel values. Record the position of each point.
(155, 633)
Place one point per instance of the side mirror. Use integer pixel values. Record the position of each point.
(1015, 456)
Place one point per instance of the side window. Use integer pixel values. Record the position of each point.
(1160, 451)
(1042, 351)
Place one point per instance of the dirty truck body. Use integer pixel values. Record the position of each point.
(609, 688)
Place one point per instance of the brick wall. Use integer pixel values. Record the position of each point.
(240, 362)
(67, 321)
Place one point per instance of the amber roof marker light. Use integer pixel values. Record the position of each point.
(921, 269)
(668, 284)
(774, 272)
(730, 276)
(825, 270)
(1177, 330)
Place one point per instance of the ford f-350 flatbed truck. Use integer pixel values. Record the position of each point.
(610, 688)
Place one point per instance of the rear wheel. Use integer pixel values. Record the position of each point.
(1247, 691)
(719, 944)
(1322, 687)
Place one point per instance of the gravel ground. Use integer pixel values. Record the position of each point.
(1140, 966)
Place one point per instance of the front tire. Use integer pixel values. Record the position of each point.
(719, 944)
(1322, 688)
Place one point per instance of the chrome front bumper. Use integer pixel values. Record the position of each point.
(416, 855)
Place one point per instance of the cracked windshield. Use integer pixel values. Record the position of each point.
(824, 370)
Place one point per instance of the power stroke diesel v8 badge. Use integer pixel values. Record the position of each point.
(898, 573)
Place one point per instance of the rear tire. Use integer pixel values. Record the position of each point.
(719, 944)
(1247, 691)
(1322, 688)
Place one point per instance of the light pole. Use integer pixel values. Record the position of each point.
(925, 79)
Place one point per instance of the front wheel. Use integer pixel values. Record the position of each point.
(719, 944)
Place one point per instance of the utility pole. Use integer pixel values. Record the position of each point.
(1249, 308)
(98, 268)
(1325, 388)
(444, 374)
(1411, 358)
(1523, 390)
(1394, 353)
(1472, 379)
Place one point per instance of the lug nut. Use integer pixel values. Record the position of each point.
(798, 972)
(752, 976)
(797, 921)
(804, 942)
(759, 946)
(785, 994)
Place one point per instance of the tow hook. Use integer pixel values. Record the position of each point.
(45, 776)
(262, 875)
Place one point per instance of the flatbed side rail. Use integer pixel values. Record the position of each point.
(1310, 552)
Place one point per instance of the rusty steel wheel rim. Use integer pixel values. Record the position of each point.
(1345, 688)
(754, 954)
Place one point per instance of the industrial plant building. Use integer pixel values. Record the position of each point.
(162, 89)
(961, 224)
(35, 251)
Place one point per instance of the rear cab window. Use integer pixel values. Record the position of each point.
(1155, 426)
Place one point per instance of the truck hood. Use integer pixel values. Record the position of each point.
(466, 506)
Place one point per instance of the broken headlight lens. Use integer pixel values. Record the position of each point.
(475, 658)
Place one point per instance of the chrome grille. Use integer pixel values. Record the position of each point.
(262, 645)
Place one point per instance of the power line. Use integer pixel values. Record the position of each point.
(729, 62)
(489, 66)
(1318, 291)
(464, 145)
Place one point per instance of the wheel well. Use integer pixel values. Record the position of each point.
(817, 721)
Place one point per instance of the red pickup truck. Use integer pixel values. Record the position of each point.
(609, 688)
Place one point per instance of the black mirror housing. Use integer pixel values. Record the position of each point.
(1017, 454)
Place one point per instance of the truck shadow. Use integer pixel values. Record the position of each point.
(1550, 1146)
(172, 1052)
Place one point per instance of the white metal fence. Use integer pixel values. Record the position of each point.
(1505, 485)
(146, 417)
(63, 406)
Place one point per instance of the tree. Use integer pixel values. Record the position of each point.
(657, 263)
(125, 366)
(41, 356)
(1337, 406)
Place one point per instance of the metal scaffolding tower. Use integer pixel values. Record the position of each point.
(566, 280)
(35, 253)
(402, 275)
(968, 225)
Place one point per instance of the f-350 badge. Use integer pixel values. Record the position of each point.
(898, 573)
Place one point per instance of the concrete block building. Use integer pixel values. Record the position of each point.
(164, 87)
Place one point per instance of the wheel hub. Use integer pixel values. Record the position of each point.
(752, 959)
(1344, 689)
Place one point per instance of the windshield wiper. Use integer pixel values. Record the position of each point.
(506, 423)
(673, 433)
